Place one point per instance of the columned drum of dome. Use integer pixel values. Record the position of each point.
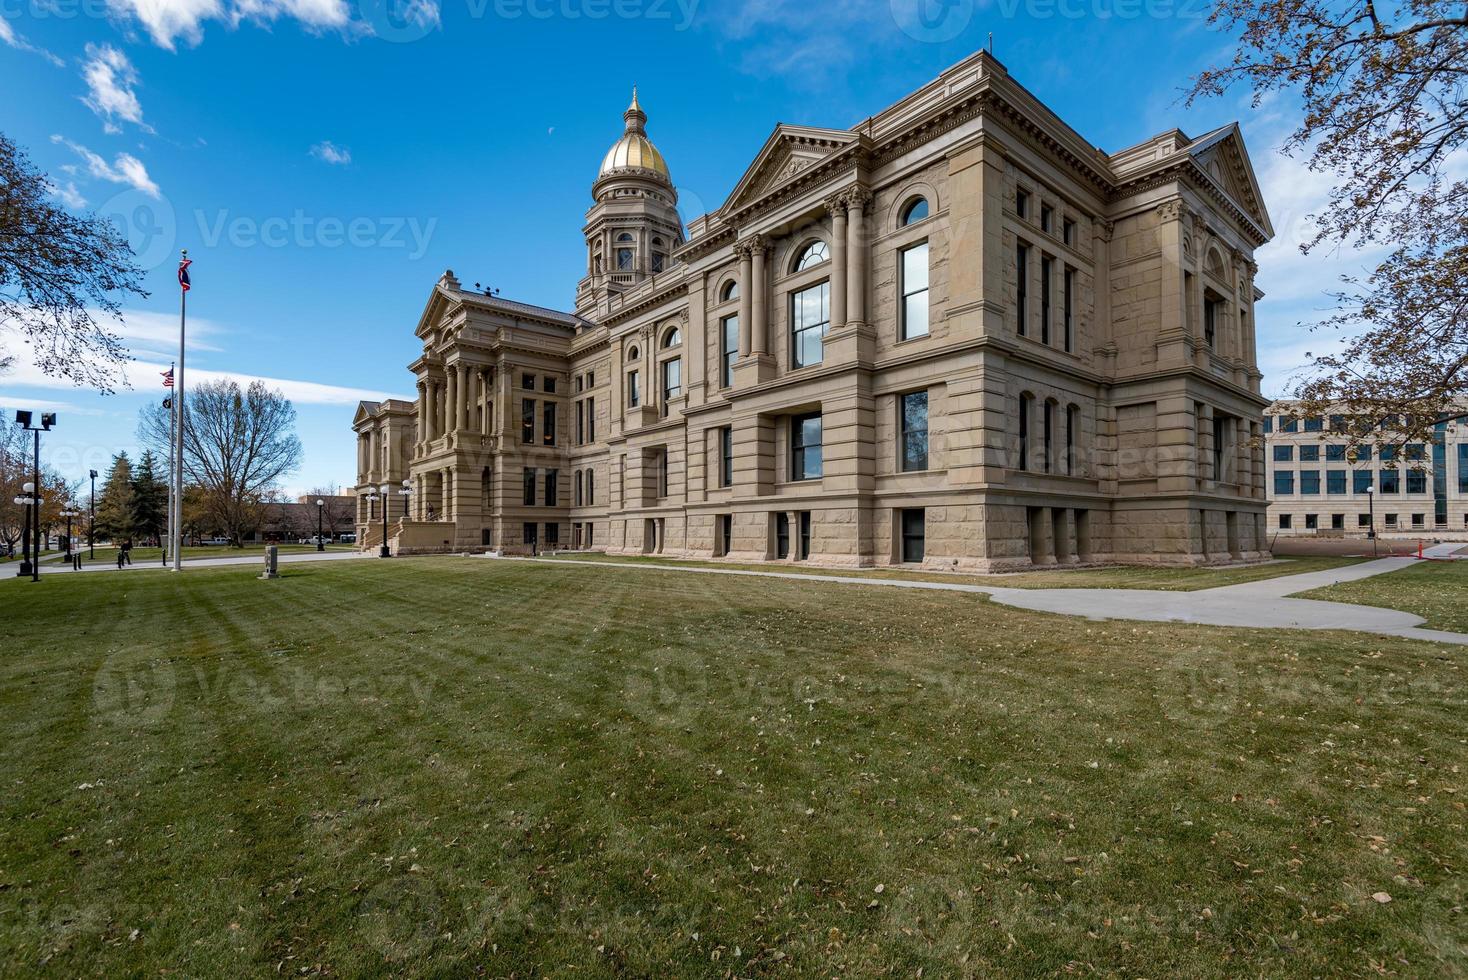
(954, 336)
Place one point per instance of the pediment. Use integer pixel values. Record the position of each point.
(1223, 157)
(788, 151)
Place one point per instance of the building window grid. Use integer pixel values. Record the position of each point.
(810, 320)
(915, 291)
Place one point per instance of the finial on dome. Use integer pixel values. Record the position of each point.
(635, 118)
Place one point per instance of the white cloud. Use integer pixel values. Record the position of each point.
(110, 79)
(14, 40)
(168, 21)
(68, 194)
(125, 168)
(328, 152)
(153, 338)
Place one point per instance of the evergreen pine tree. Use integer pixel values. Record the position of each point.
(115, 501)
(149, 500)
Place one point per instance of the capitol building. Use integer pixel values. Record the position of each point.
(955, 335)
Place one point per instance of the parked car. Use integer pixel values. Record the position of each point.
(349, 538)
(216, 540)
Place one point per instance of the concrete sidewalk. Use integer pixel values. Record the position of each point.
(259, 560)
(1263, 604)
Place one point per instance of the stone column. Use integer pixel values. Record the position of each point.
(429, 423)
(759, 342)
(836, 206)
(451, 401)
(422, 411)
(746, 297)
(856, 255)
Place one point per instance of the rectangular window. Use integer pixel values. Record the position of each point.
(529, 495)
(1335, 454)
(527, 533)
(548, 385)
(527, 381)
(1335, 481)
(1391, 520)
(580, 422)
(1309, 454)
(1287, 424)
(634, 390)
(1416, 481)
(1419, 520)
(1363, 520)
(726, 533)
(578, 384)
(552, 535)
(548, 432)
(1463, 467)
(915, 291)
(1338, 423)
(1284, 483)
(1210, 319)
(1068, 232)
(1022, 203)
(782, 535)
(576, 489)
(1315, 424)
(1284, 454)
(914, 534)
(1285, 522)
(590, 383)
(1310, 482)
(662, 472)
(1363, 452)
(1047, 217)
(1337, 522)
(672, 379)
(590, 419)
(726, 456)
(1047, 266)
(527, 420)
(810, 318)
(1024, 432)
(805, 447)
(1048, 435)
(1387, 454)
(1068, 289)
(552, 489)
(590, 492)
(1021, 285)
(728, 348)
(914, 423)
(803, 551)
(1268, 424)
(1072, 419)
(1391, 481)
(1312, 522)
(1360, 481)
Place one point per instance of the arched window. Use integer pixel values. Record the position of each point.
(659, 257)
(730, 291)
(632, 353)
(672, 338)
(914, 210)
(1049, 435)
(813, 254)
(624, 237)
(1026, 408)
(1072, 420)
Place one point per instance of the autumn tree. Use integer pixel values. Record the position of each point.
(1382, 111)
(17, 468)
(337, 512)
(55, 269)
(238, 444)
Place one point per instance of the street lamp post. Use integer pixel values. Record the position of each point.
(320, 545)
(24, 500)
(69, 513)
(405, 493)
(1371, 506)
(48, 419)
(92, 520)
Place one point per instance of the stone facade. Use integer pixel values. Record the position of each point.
(955, 335)
(1322, 483)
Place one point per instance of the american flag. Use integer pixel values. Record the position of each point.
(183, 273)
(168, 378)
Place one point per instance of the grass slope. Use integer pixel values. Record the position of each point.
(1435, 590)
(442, 767)
(1119, 577)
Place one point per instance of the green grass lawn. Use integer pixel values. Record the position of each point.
(154, 556)
(456, 766)
(1435, 590)
(1119, 577)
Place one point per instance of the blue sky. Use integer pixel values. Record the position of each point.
(325, 160)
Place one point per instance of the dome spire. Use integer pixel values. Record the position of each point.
(635, 118)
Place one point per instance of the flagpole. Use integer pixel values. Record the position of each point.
(168, 546)
(178, 394)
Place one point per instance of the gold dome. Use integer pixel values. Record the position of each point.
(634, 149)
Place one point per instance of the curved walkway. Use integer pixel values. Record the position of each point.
(1262, 604)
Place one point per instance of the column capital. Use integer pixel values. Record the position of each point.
(751, 244)
(835, 204)
(856, 196)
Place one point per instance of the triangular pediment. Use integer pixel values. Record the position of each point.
(788, 151)
(1222, 155)
(365, 410)
(443, 297)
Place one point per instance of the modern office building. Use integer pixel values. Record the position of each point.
(1320, 483)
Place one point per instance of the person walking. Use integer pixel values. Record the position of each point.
(127, 551)
(121, 556)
